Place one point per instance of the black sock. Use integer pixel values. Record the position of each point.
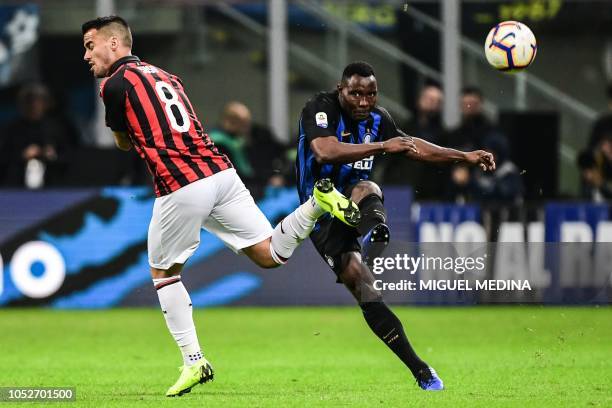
(372, 213)
(389, 329)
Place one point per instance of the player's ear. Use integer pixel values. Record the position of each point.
(114, 43)
(339, 86)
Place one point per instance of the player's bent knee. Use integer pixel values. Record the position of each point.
(351, 271)
(358, 279)
(165, 273)
(363, 189)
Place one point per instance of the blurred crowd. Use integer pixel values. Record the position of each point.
(595, 161)
(41, 147)
(37, 146)
(458, 183)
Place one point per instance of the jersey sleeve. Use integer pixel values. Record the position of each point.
(319, 119)
(113, 92)
(389, 128)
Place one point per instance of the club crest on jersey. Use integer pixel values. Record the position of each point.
(321, 119)
(367, 138)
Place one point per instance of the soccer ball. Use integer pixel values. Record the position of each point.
(510, 46)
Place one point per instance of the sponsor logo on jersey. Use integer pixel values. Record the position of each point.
(364, 164)
(147, 69)
(321, 119)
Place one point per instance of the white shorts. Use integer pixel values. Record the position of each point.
(221, 204)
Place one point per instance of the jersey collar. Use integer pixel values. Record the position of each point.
(121, 61)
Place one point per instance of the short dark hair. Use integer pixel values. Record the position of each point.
(431, 82)
(101, 22)
(472, 90)
(361, 68)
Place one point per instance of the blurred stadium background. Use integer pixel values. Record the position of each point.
(77, 220)
(74, 216)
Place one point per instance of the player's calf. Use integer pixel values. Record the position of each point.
(287, 236)
(263, 254)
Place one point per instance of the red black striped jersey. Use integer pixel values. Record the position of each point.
(152, 107)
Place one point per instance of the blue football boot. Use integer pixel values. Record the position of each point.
(429, 381)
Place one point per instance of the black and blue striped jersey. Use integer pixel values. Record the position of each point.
(322, 116)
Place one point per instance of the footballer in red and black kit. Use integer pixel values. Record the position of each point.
(196, 186)
(152, 107)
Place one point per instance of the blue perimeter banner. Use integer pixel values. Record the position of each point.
(87, 249)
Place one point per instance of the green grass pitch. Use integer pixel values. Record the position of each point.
(272, 357)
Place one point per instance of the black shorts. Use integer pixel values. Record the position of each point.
(332, 238)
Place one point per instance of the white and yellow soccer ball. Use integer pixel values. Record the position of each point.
(510, 46)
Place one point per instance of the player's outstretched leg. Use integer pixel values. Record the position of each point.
(335, 203)
(177, 308)
(383, 322)
(298, 225)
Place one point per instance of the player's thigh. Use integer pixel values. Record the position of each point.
(332, 238)
(236, 219)
(174, 230)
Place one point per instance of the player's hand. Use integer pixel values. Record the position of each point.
(482, 159)
(400, 144)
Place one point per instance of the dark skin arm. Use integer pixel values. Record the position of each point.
(329, 150)
(432, 153)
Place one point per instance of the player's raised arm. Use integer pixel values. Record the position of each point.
(330, 150)
(430, 152)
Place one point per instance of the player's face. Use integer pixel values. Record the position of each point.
(358, 96)
(98, 52)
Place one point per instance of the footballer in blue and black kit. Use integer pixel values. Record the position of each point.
(341, 132)
(321, 117)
